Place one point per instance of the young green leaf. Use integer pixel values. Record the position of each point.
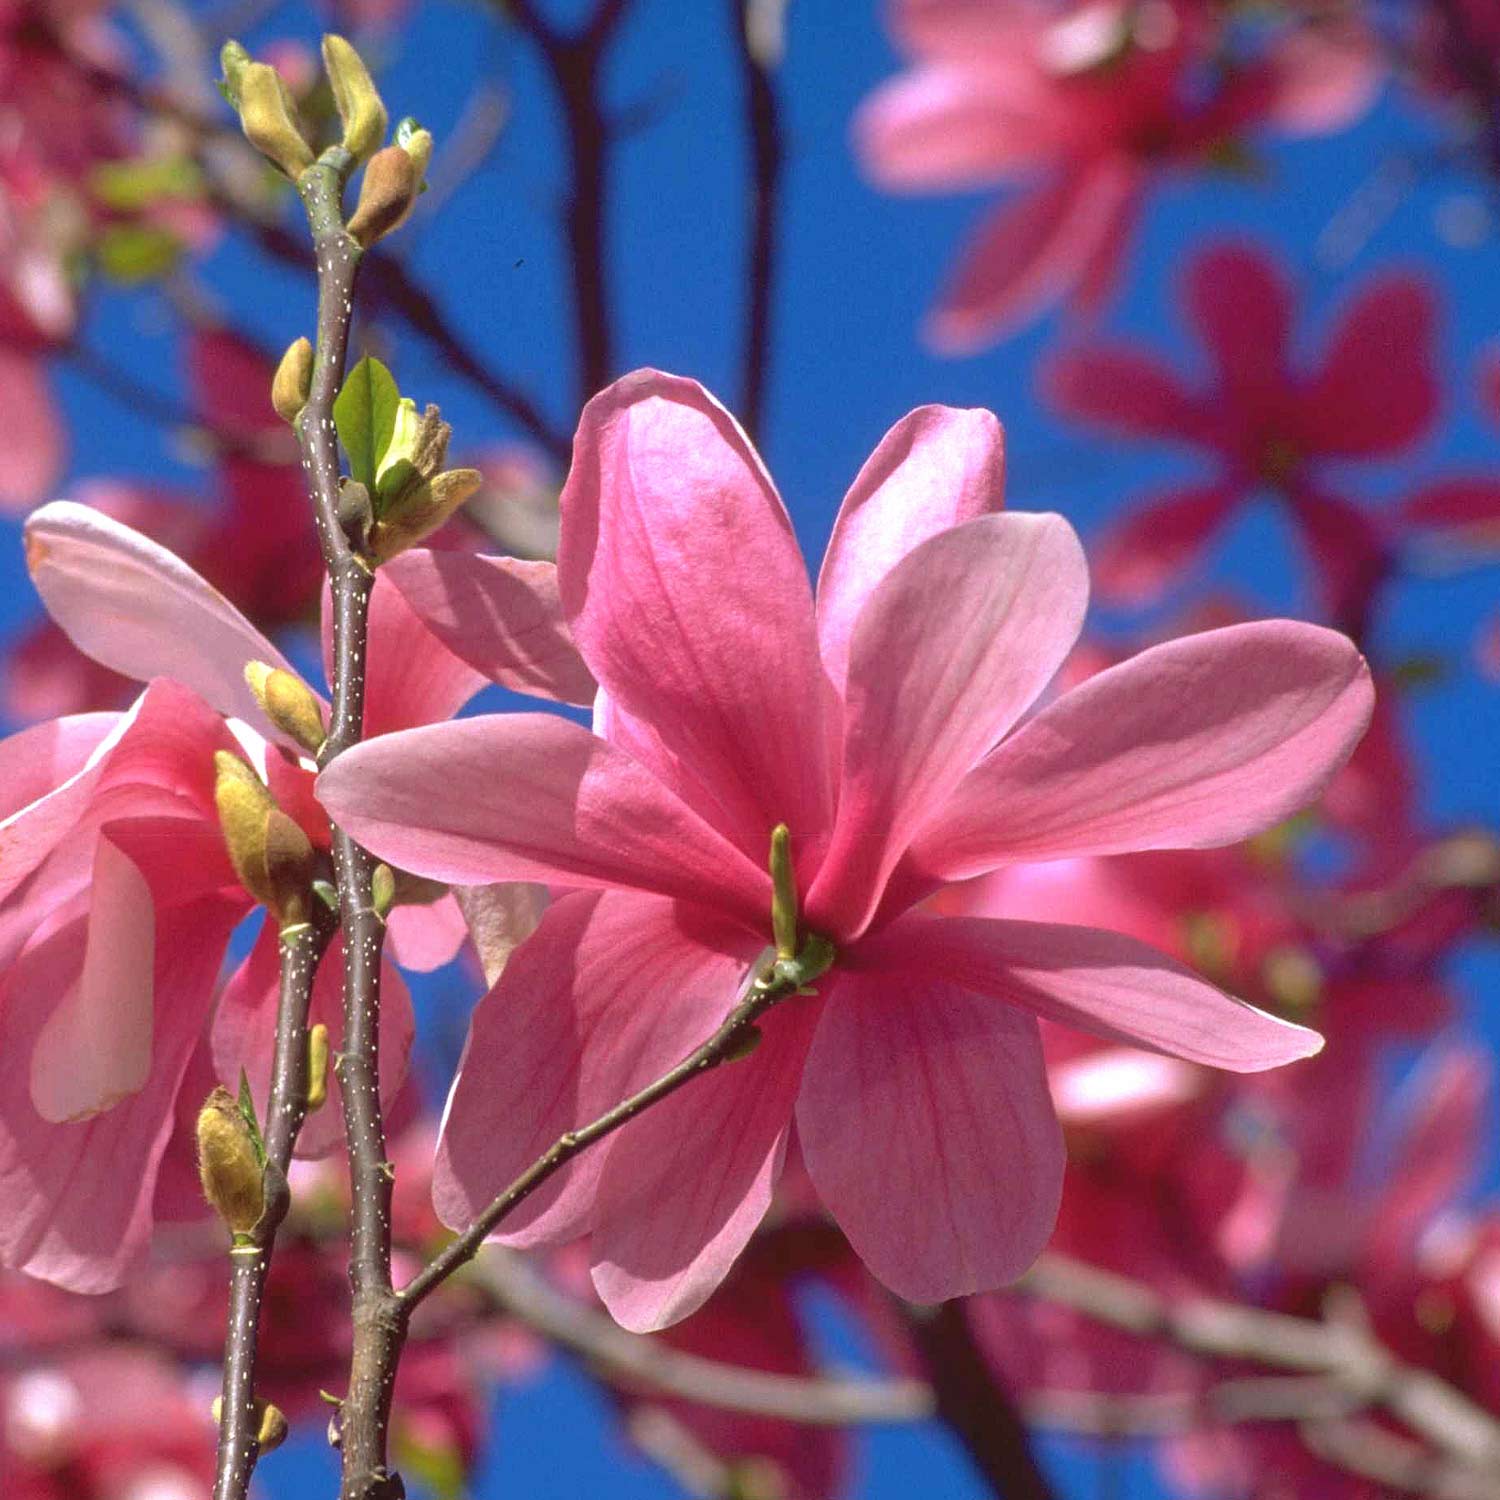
(247, 1110)
(365, 415)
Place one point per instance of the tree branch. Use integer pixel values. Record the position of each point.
(301, 950)
(378, 1333)
(757, 31)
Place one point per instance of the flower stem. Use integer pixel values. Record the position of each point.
(250, 1261)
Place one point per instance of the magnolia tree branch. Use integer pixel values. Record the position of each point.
(1341, 1349)
(378, 1332)
(641, 1365)
(250, 1260)
(771, 984)
(759, 32)
(576, 61)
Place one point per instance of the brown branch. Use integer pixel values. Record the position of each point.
(249, 1262)
(757, 26)
(639, 1364)
(378, 1332)
(973, 1403)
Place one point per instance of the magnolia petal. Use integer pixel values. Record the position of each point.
(689, 599)
(706, 1160)
(937, 467)
(95, 1048)
(141, 611)
(1198, 742)
(613, 990)
(927, 1129)
(501, 615)
(532, 797)
(1101, 982)
(954, 645)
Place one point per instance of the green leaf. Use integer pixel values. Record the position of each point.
(365, 415)
(247, 1109)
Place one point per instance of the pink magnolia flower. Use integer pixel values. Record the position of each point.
(1089, 104)
(881, 726)
(1268, 425)
(117, 899)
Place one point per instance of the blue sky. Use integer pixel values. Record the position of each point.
(857, 270)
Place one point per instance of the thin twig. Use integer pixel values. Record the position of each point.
(757, 28)
(378, 1333)
(301, 950)
(769, 986)
(647, 1366)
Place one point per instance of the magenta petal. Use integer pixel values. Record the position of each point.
(138, 609)
(1198, 742)
(690, 601)
(502, 615)
(954, 645)
(706, 1162)
(928, 1131)
(611, 991)
(1376, 391)
(1238, 300)
(947, 128)
(79, 1195)
(36, 439)
(1101, 982)
(1144, 553)
(1121, 390)
(38, 760)
(1030, 253)
(936, 468)
(532, 797)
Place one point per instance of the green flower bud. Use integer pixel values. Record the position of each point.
(229, 1166)
(268, 116)
(355, 96)
(292, 383)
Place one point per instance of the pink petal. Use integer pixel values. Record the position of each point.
(1326, 76)
(244, 1032)
(532, 797)
(1122, 390)
(1101, 982)
(960, 30)
(95, 1047)
(502, 615)
(1349, 553)
(936, 468)
(79, 1195)
(1201, 741)
(927, 1129)
(38, 760)
(954, 645)
(612, 991)
(1028, 255)
(1376, 390)
(1143, 554)
(132, 605)
(673, 540)
(424, 937)
(499, 918)
(706, 1160)
(35, 440)
(948, 128)
(1238, 300)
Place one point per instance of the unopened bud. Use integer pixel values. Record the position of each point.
(288, 703)
(317, 1067)
(417, 143)
(383, 890)
(386, 195)
(783, 893)
(229, 1166)
(270, 1423)
(421, 512)
(355, 96)
(268, 116)
(292, 383)
(234, 60)
(289, 868)
(244, 805)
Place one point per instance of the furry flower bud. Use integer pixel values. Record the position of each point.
(355, 96)
(292, 383)
(229, 1166)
